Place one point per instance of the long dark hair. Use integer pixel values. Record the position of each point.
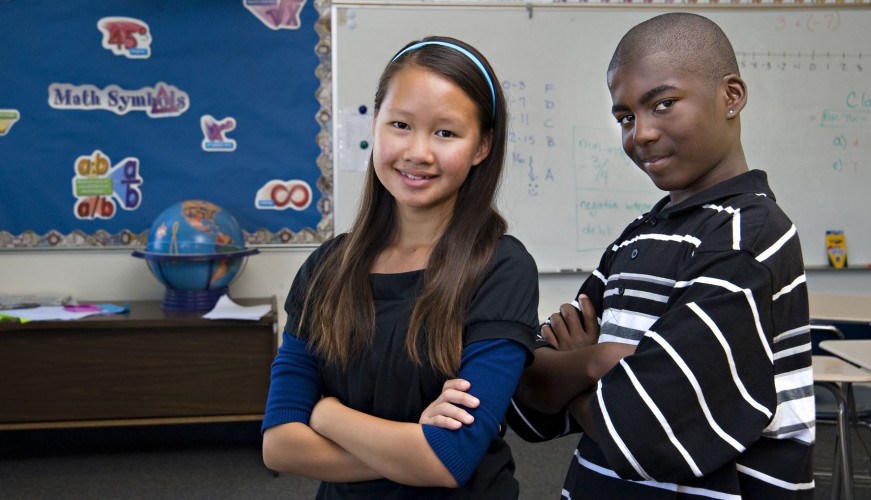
(339, 300)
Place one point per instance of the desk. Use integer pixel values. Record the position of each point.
(857, 352)
(147, 366)
(840, 308)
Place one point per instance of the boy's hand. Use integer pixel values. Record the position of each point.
(446, 411)
(566, 330)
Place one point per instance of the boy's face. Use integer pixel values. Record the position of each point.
(676, 126)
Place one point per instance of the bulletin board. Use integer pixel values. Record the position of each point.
(569, 188)
(111, 112)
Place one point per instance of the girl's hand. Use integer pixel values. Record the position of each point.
(446, 411)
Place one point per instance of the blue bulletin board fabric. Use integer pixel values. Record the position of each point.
(110, 112)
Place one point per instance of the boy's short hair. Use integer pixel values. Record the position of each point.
(695, 43)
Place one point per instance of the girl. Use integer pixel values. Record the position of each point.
(406, 337)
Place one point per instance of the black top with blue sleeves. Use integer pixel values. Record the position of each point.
(384, 382)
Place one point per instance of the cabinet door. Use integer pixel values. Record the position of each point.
(175, 370)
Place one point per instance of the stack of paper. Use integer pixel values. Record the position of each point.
(49, 313)
(227, 309)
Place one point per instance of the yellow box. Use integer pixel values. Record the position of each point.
(836, 249)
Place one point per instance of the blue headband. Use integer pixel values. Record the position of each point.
(462, 51)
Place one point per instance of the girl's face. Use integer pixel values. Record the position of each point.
(426, 140)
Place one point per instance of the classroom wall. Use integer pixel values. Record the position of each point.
(115, 275)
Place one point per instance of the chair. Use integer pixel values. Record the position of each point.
(837, 377)
(821, 332)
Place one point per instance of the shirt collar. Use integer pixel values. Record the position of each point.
(753, 181)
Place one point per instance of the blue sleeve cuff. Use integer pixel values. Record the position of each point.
(445, 447)
(279, 417)
(493, 368)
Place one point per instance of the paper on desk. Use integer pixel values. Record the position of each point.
(47, 313)
(227, 309)
(104, 309)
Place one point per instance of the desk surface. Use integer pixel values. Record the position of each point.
(142, 314)
(840, 308)
(835, 370)
(855, 351)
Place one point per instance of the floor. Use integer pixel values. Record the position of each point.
(222, 461)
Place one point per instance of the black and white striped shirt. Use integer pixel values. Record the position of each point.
(717, 400)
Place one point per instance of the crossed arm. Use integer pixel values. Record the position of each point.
(565, 375)
(341, 444)
(326, 440)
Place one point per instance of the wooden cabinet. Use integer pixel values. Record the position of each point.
(146, 366)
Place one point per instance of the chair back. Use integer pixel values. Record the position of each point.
(821, 332)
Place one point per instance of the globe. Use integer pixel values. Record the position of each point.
(196, 249)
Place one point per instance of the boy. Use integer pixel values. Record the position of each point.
(698, 381)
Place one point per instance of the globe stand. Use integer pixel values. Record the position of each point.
(199, 294)
(192, 300)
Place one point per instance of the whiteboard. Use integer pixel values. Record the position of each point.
(569, 189)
